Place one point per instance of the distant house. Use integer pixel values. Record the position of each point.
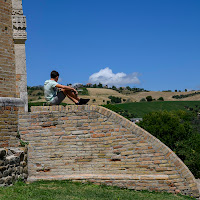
(89, 85)
(135, 120)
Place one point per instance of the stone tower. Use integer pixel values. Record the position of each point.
(20, 36)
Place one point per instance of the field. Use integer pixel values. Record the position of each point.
(142, 108)
(66, 190)
(99, 96)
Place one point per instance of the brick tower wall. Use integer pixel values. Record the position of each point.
(9, 104)
(7, 59)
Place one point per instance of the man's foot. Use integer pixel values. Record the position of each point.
(82, 102)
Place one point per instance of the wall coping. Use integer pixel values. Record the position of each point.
(100, 177)
(8, 101)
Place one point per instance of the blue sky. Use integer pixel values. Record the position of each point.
(151, 44)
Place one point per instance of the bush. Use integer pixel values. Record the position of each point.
(115, 99)
(142, 100)
(185, 95)
(83, 92)
(161, 99)
(149, 98)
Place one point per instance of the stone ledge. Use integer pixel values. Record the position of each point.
(99, 177)
(8, 101)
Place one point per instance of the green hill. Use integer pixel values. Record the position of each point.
(139, 109)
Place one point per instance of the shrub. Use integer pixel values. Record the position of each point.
(149, 98)
(83, 91)
(115, 99)
(185, 95)
(161, 99)
(142, 100)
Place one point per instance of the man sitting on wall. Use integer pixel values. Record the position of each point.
(55, 93)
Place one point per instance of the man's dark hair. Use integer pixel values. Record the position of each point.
(54, 74)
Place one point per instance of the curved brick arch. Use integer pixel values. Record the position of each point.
(93, 143)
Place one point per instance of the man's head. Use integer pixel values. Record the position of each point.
(54, 75)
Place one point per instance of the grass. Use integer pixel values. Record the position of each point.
(142, 108)
(67, 190)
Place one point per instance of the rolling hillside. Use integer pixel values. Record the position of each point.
(100, 96)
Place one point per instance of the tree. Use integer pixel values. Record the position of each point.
(169, 127)
(128, 88)
(115, 99)
(149, 98)
(100, 85)
(114, 88)
(161, 99)
(142, 100)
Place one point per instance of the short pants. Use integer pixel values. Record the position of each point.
(58, 99)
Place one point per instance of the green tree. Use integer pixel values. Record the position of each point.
(169, 127)
(142, 100)
(128, 88)
(100, 85)
(149, 98)
(114, 88)
(161, 99)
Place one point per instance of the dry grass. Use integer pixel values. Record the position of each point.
(101, 96)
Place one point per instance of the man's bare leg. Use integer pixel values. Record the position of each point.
(71, 95)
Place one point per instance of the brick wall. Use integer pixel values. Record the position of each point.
(7, 63)
(9, 108)
(95, 144)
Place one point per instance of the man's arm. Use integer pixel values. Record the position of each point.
(66, 88)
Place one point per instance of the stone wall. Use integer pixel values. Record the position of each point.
(7, 59)
(91, 143)
(13, 165)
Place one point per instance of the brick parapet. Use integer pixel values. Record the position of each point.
(96, 144)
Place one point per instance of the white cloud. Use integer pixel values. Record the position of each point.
(107, 77)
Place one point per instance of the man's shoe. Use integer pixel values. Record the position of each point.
(83, 101)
